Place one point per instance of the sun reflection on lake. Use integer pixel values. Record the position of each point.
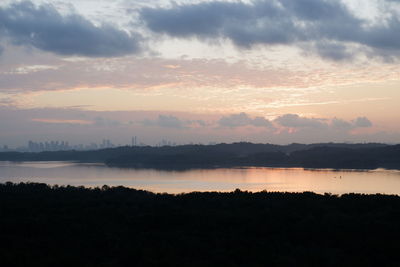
(252, 179)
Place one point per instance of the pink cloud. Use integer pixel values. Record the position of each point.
(62, 121)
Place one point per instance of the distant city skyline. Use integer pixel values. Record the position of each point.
(62, 145)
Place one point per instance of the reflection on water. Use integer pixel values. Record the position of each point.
(252, 179)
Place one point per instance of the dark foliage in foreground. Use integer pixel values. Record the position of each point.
(50, 226)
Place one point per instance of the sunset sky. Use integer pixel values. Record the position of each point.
(276, 71)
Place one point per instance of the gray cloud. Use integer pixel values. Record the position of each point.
(43, 27)
(332, 50)
(7, 102)
(242, 119)
(169, 121)
(19, 125)
(295, 121)
(341, 124)
(328, 26)
(100, 121)
(362, 122)
(165, 121)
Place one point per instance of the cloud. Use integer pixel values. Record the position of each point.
(169, 121)
(295, 121)
(18, 126)
(100, 121)
(7, 102)
(165, 121)
(332, 50)
(327, 26)
(62, 121)
(32, 69)
(44, 28)
(341, 124)
(362, 122)
(242, 119)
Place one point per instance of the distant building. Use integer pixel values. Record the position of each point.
(134, 141)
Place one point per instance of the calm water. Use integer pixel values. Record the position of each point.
(252, 179)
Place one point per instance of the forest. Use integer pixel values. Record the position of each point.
(328, 155)
(45, 225)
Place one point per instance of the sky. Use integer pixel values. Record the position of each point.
(276, 71)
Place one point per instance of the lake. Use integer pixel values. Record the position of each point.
(228, 179)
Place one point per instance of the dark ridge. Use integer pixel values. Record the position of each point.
(326, 155)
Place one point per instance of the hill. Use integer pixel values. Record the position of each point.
(327, 155)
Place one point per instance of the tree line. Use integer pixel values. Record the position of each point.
(328, 155)
(45, 225)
